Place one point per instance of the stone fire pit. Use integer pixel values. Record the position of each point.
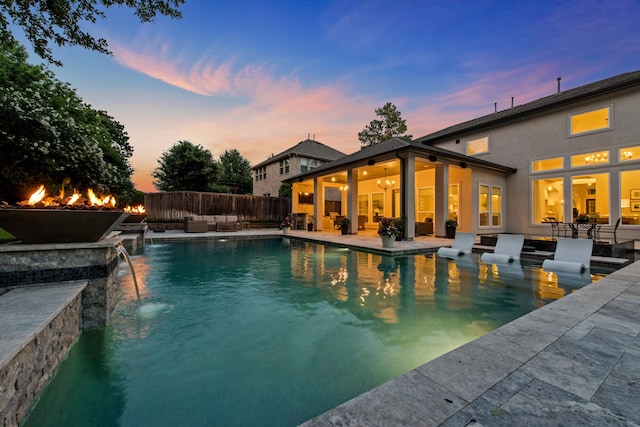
(60, 225)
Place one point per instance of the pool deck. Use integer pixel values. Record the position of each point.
(573, 362)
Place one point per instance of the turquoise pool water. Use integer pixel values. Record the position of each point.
(273, 332)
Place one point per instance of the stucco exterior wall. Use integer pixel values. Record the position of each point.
(518, 143)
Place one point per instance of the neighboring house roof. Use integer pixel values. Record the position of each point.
(390, 149)
(307, 148)
(602, 87)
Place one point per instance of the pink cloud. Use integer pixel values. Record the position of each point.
(271, 113)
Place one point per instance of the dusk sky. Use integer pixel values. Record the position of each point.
(259, 76)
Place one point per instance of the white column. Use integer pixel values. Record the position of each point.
(318, 203)
(441, 199)
(408, 194)
(352, 200)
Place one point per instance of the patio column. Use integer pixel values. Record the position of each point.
(441, 199)
(408, 194)
(352, 201)
(318, 203)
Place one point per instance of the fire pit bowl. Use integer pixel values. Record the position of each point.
(135, 218)
(60, 225)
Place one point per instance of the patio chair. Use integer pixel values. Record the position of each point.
(571, 256)
(607, 229)
(508, 249)
(462, 245)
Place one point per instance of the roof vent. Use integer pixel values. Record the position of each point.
(559, 78)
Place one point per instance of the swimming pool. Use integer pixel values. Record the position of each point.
(273, 332)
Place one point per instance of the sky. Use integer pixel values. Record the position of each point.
(261, 76)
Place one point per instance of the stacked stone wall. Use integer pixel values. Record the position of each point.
(25, 375)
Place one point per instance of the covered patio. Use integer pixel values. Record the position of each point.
(423, 185)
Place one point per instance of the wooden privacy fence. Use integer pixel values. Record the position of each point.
(175, 205)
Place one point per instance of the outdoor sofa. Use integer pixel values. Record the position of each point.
(204, 223)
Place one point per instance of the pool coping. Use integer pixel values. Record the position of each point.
(575, 361)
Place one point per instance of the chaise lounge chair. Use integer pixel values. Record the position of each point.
(462, 245)
(571, 256)
(508, 249)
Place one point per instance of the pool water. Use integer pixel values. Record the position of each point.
(273, 332)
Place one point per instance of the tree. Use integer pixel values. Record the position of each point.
(186, 167)
(284, 190)
(49, 136)
(60, 21)
(235, 172)
(390, 125)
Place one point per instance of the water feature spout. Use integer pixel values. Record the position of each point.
(125, 254)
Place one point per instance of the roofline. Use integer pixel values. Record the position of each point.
(422, 150)
(528, 109)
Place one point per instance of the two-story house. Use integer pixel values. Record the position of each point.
(304, 156)
(573, 152)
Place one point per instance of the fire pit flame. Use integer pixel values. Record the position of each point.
(37, 196)
(39, 199)
(135, 209)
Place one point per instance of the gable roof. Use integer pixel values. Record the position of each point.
(307, 148)
(602, 87)
(390, 149)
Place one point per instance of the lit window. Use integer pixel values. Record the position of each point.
(547, 164)
(496, 206)
(489, 208)
(590, 121)
(630, 153)
(425, 203)
(478, 146)
(483, 209)
(454, 201)
(629, 197)
(590, 196)
(363, 205)
(590, 159)
(548, 200)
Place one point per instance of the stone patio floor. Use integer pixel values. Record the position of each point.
(573, 362)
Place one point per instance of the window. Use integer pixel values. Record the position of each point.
(483, 209)
(590, 121)
(478, 146)
(377, 204)
(630, 197)
(308, 164)
(590, 196)
(284, 166)
(496, 206)
(261, 173)
(425, 203)
(547, 164)
(630, 153)
(453, 202)
(363, 205)
(590, 159)
(489, 207)
(548, 200)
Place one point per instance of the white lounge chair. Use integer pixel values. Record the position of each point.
(508, 249)
(462, 245)
(571, 256)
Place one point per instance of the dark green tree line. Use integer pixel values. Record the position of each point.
(62, 21)
(189, 167)
(49, 136)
